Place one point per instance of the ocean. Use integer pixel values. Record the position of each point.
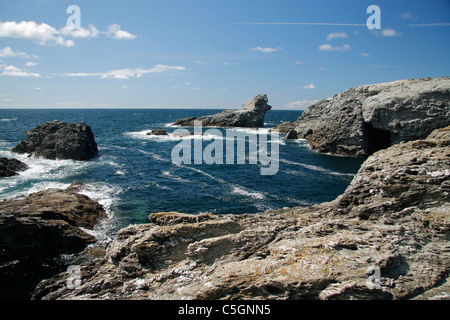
(133, 174)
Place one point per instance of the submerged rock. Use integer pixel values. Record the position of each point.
(11, 167)
(250, 116)
(59, 140)
(363, 120)
(35, 230)
(386, 237)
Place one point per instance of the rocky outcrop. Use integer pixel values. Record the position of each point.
(37, 229)
(157, 132)
(11, 167)
(59, 140)
(363, 120)
(250, 116)
(386, 237)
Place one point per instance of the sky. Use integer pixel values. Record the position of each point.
(213, 54)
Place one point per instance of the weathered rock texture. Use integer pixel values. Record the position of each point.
(250, 116)
(394, 218)
(11, 167)
(363, 120)
(36, 229)
(59, 140)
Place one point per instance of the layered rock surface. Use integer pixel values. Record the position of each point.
(36, 229)
(386, 237)
(59, 140)
(250, 116)
(363, 120)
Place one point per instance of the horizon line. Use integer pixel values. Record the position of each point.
(304, 23)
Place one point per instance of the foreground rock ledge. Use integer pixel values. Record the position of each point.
(394, 217)
(35, 230)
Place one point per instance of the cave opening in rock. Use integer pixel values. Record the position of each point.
(376, 139)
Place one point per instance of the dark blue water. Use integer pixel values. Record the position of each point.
(134, 176)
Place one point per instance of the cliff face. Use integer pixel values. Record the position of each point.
(250, 116)
(386, 237)
(363, 120)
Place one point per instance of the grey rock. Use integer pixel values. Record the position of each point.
(291, 135)
(363, 120)
(250, 116)
(11, 167)
(394, 218)
(35, 230)
(59, 140)
(158, 132)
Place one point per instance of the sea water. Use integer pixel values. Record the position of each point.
(134, 175)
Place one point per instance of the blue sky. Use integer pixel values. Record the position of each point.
(212, 53)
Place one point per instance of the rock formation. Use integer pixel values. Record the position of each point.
(250, 116)
(59, 140)
(158, 132)
(363, 120)
(10, 167)
(386, 237)
(35, 230)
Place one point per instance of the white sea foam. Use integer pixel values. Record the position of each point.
(12, 119)
(317, 169)
(248, 193)
(171, 176)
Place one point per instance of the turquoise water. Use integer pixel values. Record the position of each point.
(133, 175)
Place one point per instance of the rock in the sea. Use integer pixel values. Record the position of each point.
(291, 135)
(250, 116)
(158, 132)
(363, 120)
(386, 237)
(35, 230)
(59, 140)
(10, 167)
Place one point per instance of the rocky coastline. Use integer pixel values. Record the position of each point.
(386, 237)
(365, 119)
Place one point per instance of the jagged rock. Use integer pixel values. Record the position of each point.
(284, 127)
(35, 230)
(10, 167)
(386, 237)
(250, 116)
(59, 140)
(158, 132)
(363, 120)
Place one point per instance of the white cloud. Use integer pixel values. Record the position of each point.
(7, 52)
(45, 34)
(390, 33)
(302, 104)
(31, 64)
(266, 50)
(114, 31)
(299, 62)
(334, 35)
(127, 73)
(364, 54)
(37, 88)
(408, 16)
(309, 86)
(81, 33)
(329, 47)
(17, 72)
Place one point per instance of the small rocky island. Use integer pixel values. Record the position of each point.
(59, 140)
(363, 120)
(250, 116)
